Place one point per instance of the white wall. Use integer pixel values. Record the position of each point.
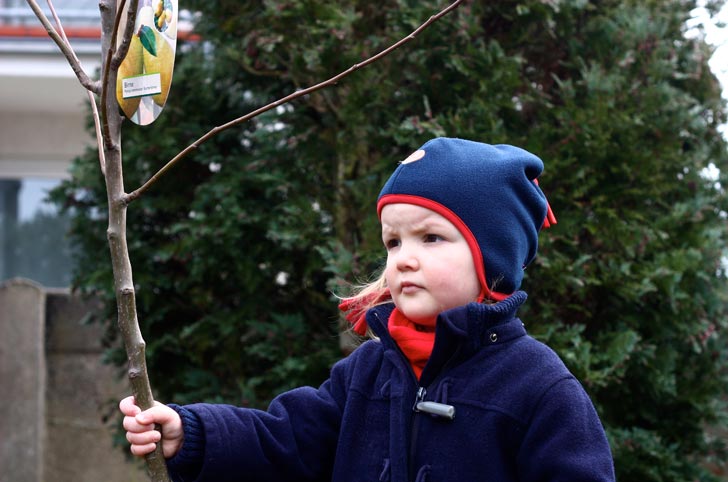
(42, 110)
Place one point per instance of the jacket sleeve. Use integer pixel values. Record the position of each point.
(295, 439)
(565, 440)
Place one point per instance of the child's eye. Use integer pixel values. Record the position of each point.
(433, 238)
(391, 243)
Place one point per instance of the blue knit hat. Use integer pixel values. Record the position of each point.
(489, 193)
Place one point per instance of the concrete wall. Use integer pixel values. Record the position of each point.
(58, 402)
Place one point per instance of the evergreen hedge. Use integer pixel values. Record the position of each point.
(236, 253)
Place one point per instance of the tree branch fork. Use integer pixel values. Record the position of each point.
(108, 133)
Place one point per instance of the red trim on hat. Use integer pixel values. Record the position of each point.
(448, 214)
(550, 219)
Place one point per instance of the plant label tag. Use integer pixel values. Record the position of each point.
(145, 74)
(141, 85)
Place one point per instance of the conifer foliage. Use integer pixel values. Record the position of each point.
(237, 251)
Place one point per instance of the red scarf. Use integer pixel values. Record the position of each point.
(415, 343)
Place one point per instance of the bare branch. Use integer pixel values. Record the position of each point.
(123, 48)
(105, 133)
(112, 61)
(91, 99)
(66, 49)
(333, 80)
(99, 136)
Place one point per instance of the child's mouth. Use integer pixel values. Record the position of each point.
(408, 288)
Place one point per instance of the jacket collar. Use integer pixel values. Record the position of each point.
(478, 324)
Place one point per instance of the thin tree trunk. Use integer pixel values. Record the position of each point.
(116, 234)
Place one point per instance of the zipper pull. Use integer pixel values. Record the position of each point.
(433, 408)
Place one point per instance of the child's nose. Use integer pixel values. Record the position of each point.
(407, 258)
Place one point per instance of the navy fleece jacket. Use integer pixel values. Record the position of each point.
(519, 415)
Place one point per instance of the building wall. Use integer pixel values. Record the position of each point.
(58, 412)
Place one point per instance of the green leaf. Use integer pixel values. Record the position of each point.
(149, 40)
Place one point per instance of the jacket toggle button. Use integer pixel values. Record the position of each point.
(433, 408)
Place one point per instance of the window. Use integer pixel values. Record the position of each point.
(72, 12)
(33, 235)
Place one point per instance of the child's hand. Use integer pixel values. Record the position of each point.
(140, 431)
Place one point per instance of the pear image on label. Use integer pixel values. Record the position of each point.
(145, 76)
(132, 66)
(160, 61)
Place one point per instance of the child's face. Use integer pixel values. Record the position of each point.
(429, 265)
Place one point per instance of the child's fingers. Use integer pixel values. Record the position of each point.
(159, 413)
(142, 431)
(146, 420)
(144, 442)
(137, 421)
(141, 439)
(142, 449)
(128, 407)
(131, 424)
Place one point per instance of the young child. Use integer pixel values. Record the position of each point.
(451, 388)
